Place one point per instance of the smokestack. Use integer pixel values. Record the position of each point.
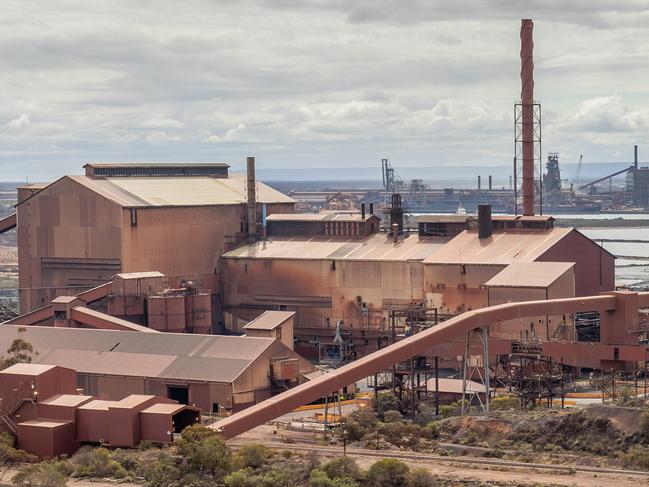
(527, 102)
(395, 232)
(371, 208)
(635, 156)
(484, 221)
(479, 183)
(252, 200)
(489, 182)
(363, 211)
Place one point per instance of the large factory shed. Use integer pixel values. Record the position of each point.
(355, 283)
(456, 274)
(79, 231)
(214, 373)
(325, 279)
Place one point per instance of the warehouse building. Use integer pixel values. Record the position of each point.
(41, 407)
(352, 284)
(213, 373)
(79, 231)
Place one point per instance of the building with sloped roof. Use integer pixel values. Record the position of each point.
(212, 372)
(79, 231)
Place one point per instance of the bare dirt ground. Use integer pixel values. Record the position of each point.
(448, 468)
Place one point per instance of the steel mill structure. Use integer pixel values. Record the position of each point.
(189, 285)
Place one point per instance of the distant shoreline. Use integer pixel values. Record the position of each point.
(601, 223)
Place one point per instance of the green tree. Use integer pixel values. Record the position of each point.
(44, 474)
(19, 352)
(388, 472)
(204, 451)
(386, 402)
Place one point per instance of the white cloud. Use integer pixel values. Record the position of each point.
(320, 83)
(22, 121)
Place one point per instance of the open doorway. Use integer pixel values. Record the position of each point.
(178, 393)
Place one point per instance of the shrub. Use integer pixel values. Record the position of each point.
(420, 477)
(636, 457)
(277, 478)
(44, 474)
(448, 410)
(319, 478)
(204, 451)
(343, 467)
(424, 415)
(241, 478)
(253, 455)
(163, 471)
(386, 402)
(96, 463)
(10, 455)
(505, 402)
(359, 423)
(388, 472)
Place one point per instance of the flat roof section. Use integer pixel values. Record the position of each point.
(67, 400)
(27, 369)
(530, 274)
(375, 247)
(269, 320)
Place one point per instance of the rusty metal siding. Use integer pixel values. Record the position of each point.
(564, 287)
(115, 388)
(65, 220)
(594, 267)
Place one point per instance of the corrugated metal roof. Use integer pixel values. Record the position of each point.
(69, 400)
(269, 320)
(180, 356)
(26, 369)
(139, 275)
(319, 217)
(163, 408)
(502, 248)
(530, 274)
(155, 164)
(375, 247)
(178, 191)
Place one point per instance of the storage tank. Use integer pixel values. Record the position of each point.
(166, 313)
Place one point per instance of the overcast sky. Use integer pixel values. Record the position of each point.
(313, 83)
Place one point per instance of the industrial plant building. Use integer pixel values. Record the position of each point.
(178, 219)
(41, 406)
(213, 373)
(359, 281)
